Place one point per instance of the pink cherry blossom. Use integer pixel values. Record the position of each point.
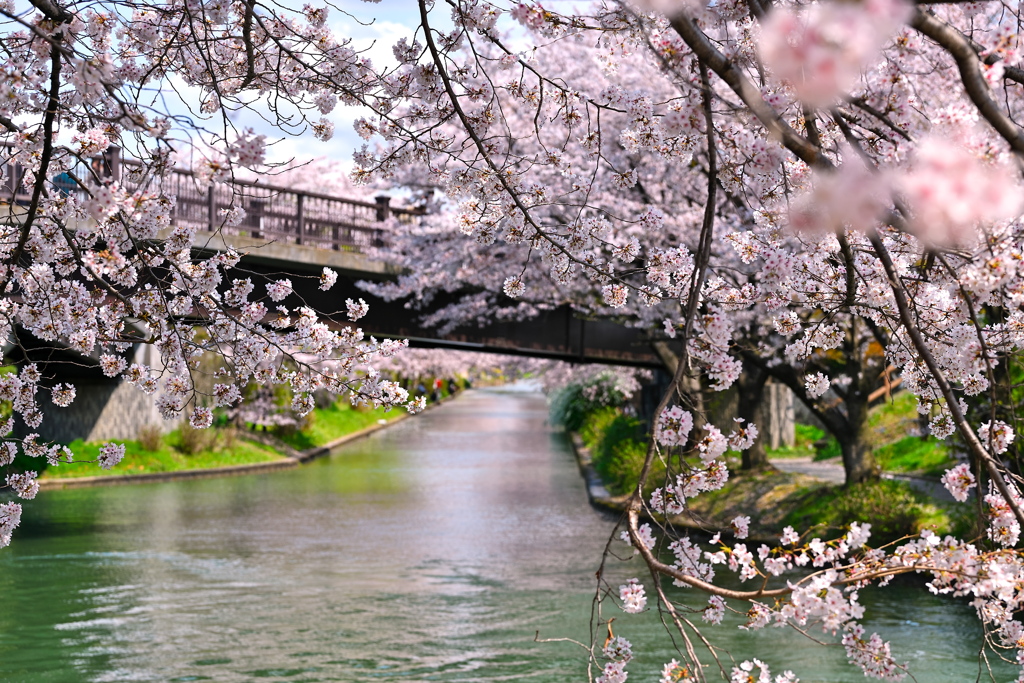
(674, 425)
(952, 193)
(110, 455)
(632, 596)
(821, 51)
(959, 481)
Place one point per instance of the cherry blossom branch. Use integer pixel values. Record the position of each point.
(747, 91)
(970, 438)
(250, 50)
(861, 104)
(483, 149)
(969, 65)
(49, 118)
(633, 521)
(52, 10)
(697, 280)
(663, 601)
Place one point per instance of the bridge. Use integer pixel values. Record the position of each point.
(293, 233)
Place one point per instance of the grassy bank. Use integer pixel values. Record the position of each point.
(327, 424)
(893, 507)
(775, 499)
(616, 442)
(190, 449)
(169, 454)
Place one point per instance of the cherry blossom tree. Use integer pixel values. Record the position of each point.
(446, 364)
(666, 196)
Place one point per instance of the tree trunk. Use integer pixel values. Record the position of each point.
(780, 420)
(752, 407)
(858, 461)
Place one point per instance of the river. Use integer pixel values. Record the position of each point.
(431, 551)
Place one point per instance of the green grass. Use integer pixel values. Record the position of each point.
(886, 434)
(327, 424)
(891, 420)
(137, 460)
(221, 449)
(830, 449)
(893, 508)
(915, 454)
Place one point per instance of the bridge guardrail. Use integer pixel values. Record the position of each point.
(273, 213)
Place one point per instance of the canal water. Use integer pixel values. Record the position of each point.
(432, 551)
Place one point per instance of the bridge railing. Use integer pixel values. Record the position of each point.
(278, 214)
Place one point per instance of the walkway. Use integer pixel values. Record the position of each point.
(831, 471)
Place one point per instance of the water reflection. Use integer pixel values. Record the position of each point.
(431, 551)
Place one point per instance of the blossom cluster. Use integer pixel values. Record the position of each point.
(673, 428)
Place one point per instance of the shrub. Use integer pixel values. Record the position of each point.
(150, 437)
(586, 393)
(569, 408)
(192, 440)
(228, 435)
(621, 464)
(617, 445)
(893, 508)
(594, 424)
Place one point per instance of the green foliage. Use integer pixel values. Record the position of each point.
(886, 434)
(572, 404)
(571, 408)
(594, 424)
(915, 454)
(568, 407)
(893, 508)
(807, 435)
(827, 449)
